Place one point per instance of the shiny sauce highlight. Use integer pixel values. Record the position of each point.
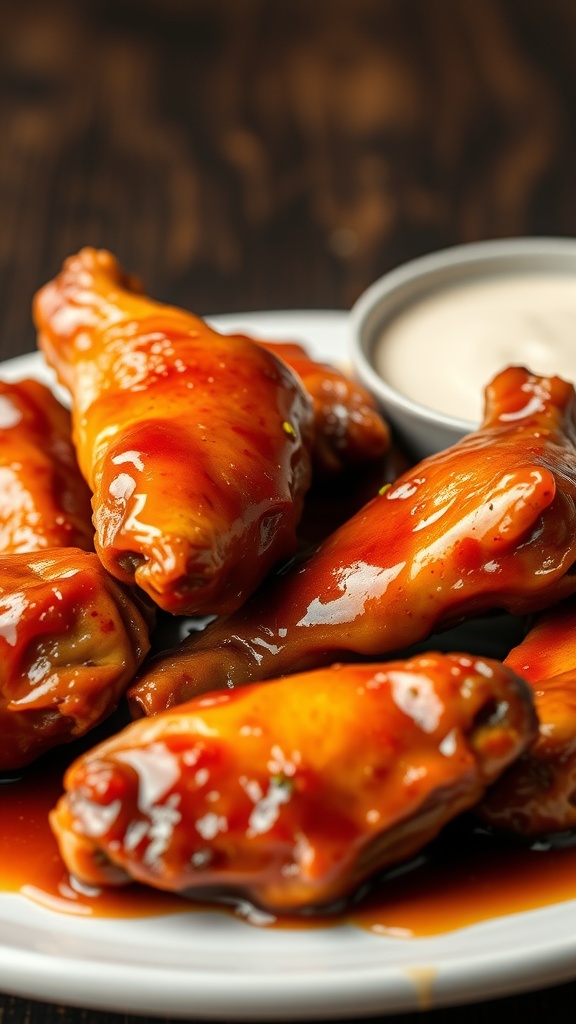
(463, 878)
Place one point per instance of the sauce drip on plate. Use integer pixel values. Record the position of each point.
(465, 877)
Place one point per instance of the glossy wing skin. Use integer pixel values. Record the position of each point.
(44, 500)
(297, 791)
(549, 647)
(71, 639)
(537, 795)
(196, 445)
(487, 524)
(348, 429)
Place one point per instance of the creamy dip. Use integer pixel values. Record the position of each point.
(443, 350)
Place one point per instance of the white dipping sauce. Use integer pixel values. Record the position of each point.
(445, 348)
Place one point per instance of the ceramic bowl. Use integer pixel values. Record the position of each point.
(422, 428)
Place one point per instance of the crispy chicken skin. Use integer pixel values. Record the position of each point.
(348, 429)
(196, 445)
(71, 638)
(537, 795)
(44, 500)
(294, 792)
(487, 524)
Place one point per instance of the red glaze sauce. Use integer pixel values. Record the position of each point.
(31, 865)
(464, 878)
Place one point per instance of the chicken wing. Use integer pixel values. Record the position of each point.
(44, 500)
(487, 524)
(537, 795)
(71, 638)
(294, 792)
(348, 429)
(196, 445)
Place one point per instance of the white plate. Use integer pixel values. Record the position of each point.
(209, 965)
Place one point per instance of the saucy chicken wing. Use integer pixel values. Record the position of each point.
(490, 523)
(44, 500)
(294, 792)
(71, 638)
(537, 795)
(196, 445)
(348, 429)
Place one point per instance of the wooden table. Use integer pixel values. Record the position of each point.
(242, 154)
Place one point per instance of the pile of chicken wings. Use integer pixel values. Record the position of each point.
(295, 746)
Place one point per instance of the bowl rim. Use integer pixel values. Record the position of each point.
(464, 255)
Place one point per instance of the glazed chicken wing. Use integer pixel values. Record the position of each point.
(537, 795)
(487, 524)
(44, 500)
(196, 445)
(297, 791)
(348, 429)
(71, 638)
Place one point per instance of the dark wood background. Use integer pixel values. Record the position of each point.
(247, 154)
(266, 154)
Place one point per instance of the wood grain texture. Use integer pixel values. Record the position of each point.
(248, 154)
(240, 154)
